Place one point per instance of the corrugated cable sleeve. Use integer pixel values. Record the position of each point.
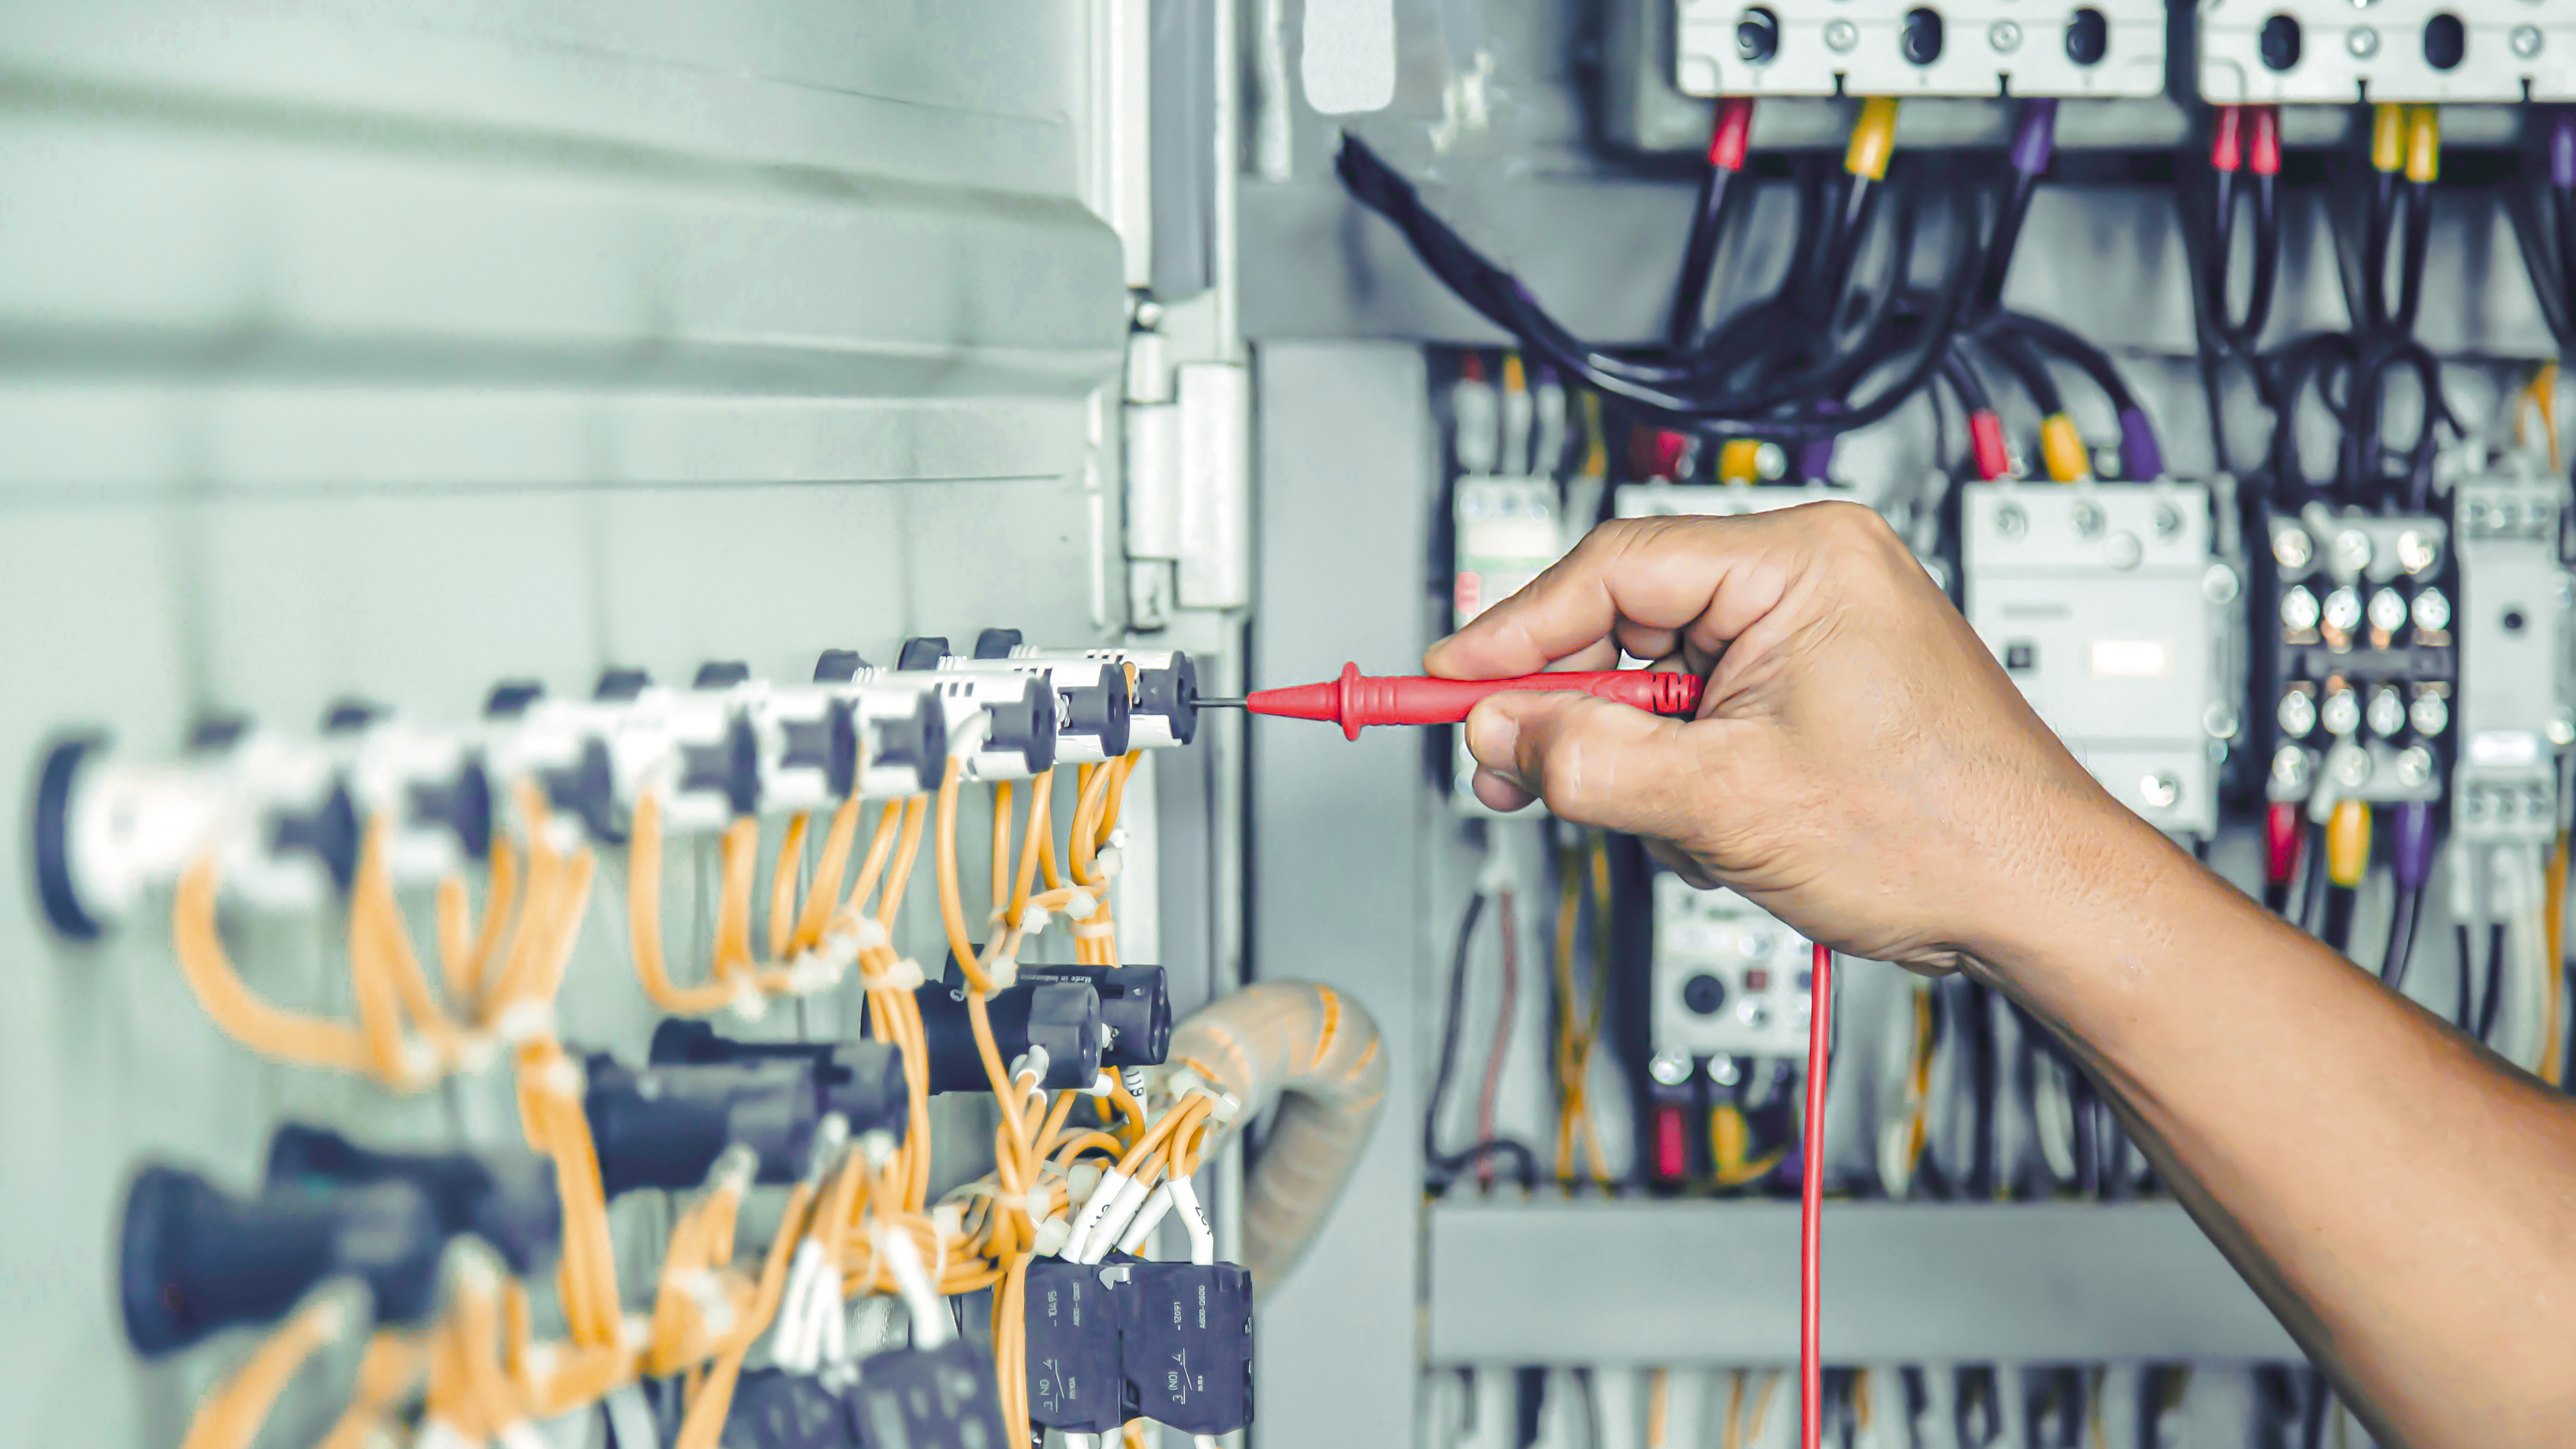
(1316, 1053)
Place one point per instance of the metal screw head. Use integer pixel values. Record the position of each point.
(2218, 584)
(2292, 548)
(2387, 712)
(2297, 714)
(2352, 766)
(1669, 1068)
(2363, 42)
(2430, 714)
(2219, 722)
(2525, 41)
(2415, 550)
(2290, 770)
(2343, 611)
(2414, 765)
(1770, 462)
(1724, 1071)
(2431, 611)
(2124, 551)
(1841, 35)
(2168, 520)
(2387, 611)
(2004, 36)
(2341, 713)
(2562, 727)
(2160, 791)
(2299, 609)
(2011, 522)
(2351, 551)
(2088, 520)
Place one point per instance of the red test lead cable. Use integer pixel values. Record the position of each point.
(1355, 700)
(1811, 1202)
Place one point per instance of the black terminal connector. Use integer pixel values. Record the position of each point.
(665, 1125)
(1025, 726)
(507, 1201)
(775, 1409)
(996, 643)
(1073, 1326)
(838, 666)
(1103, 710)
(861, 1080)
(194, 1260)
(510, 698)
(57, 884)
(922, 651)
(621, 685)
(1172, 694)
(1135, 1005)
(1185, 1346)
(928, 1398)
(722, 674)
(1061, 1016)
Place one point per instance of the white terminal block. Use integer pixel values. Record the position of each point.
(676, 744)
(2109, 610)
(1728, 978)
(120, 830)
(1001, 725)
(2515, 719)
(1165, 695)
(2074, 49)
(280, 793)
(1090, 696)
(2329, 52)
(1505, 532)
(393, 766)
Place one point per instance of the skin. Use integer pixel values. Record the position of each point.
(2401, 1197)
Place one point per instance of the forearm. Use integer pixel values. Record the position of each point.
(2404, 1199)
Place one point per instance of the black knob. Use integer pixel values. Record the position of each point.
(2446, 42)
(838, 666)
(1920, 41)
(922, 652)
(2280, 42)
(1757, 36)
(2088, 36)
(1704, 994)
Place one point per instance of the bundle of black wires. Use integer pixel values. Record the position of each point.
(1787, 368)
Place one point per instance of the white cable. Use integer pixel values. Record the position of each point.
(1549, 453)
(1104, 1234)
(1517, 409)
(930, 1326)
(1148, 1218)
(1185, 1199)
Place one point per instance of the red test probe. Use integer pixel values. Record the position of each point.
(1356, 701)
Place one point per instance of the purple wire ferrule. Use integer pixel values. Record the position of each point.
(1816, 455)
(2411, 846)
(2140, 458)
(2562, 149)
(2034, 137)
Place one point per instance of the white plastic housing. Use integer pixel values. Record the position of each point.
(970, 698)
(1728, 979)
(2513, 50)
(2512, 624)
(391, 758)
(131, 828)
(1074, 745)
(1856, 47)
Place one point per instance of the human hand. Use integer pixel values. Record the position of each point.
(1860, 766)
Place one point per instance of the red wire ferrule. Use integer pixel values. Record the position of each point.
(1733, 134)
(2226, 139)
(2282, 842)
(1986, 445)
(2263, 154)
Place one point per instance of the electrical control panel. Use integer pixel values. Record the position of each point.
(2109, 609)
(1728, 980)
(2359, 665)
(2341, 51)
(2513, 715)
(2096, 48)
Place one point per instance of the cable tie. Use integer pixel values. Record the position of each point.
(748, 1004)
(520, 1434)
(903, 975)
(562, 1078)
(1035, 921)
(1109, 862)
(1095, 930)
(1081, 906)
(1003, 972)
(871, 933)
(1051, 1236)
(1118, 837)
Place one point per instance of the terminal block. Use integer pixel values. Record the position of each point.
(859, 1080)
(2329, 52)
(1728, 979)
(1164, 696)
(1135, 1008)
(2073, 49)
(2109, 609)
(665, 1125)
(1073, 1326)
(1185, 1346)
(508, 1201)
(928, 1398)
(2514, 717)
(1060, 1018)
(2356, 668)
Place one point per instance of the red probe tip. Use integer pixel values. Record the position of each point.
(1355, 700)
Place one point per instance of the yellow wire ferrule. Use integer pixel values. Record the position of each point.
(2348, 843)
(1873, 139)
(1739, 461)
(2062, 448)
(2388, 137)
(1514, 379)
(2423, 143)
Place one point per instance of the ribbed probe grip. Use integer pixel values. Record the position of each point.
(1356, 701)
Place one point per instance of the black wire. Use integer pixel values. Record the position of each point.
(1699, 256)
(2494, 996)
(2339, 908)
(2401, 938)
(2310, 908)
(1445, 1167)
(2465, 1009)
(2544, 262)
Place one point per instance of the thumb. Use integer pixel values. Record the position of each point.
(1594, 762)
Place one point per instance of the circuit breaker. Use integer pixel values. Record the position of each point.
(2107, 606)
(2512, 625)
(2064, 48)
(1728, 979)
(1723, 500)
(2342, 51)
(2359, 666)
(1506, 531)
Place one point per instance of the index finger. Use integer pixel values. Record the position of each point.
(1700, 581)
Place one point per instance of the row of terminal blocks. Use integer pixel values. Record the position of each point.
(288, 814)
(2246, 52)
